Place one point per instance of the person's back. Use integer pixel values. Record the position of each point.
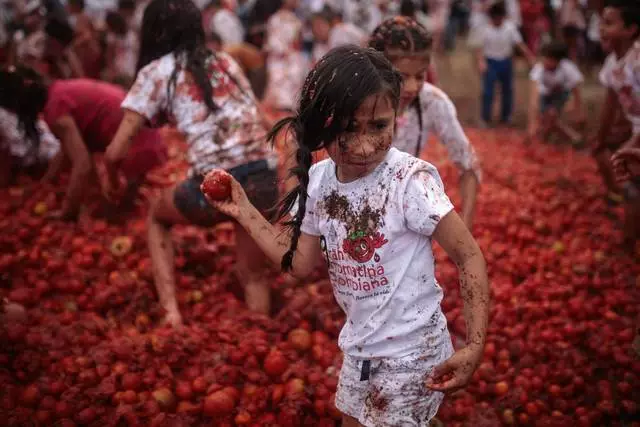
(94, 106)
(224, 138)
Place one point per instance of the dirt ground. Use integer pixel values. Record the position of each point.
(460, 80)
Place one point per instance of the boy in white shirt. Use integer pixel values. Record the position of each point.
(494, 42)
(619, 33)
(553, 81)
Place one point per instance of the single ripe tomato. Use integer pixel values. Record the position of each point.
(217, 185)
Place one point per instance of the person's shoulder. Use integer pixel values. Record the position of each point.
(432, 96)
(570, 66)
(167, 61)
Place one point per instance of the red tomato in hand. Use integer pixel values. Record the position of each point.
(217, 185)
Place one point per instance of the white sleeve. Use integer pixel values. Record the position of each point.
(605, 72)
(441, 118)
(516, 37)
(573, 76)
(536, 73)
(148, 95)
(425, 202)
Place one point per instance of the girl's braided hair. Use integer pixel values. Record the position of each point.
(401, 36)
(333, 91)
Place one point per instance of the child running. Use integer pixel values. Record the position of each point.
(553, 81)
(210, 101)
(494, 42)
(83, 115)
(619, 31)
(424, 109)
(371, 212)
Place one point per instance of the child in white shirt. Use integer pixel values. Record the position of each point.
(371, 212)
(424, 109)
(553, 81)
(619, 34)
(330, 32)
(494, 42)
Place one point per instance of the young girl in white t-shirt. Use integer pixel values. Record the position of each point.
(553, 81)
(371, 212)
(424, 109)
(209, 100)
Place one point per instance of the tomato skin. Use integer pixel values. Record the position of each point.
(217, 185)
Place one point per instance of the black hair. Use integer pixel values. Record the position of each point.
(175, 26)
(78, 3)
(401, 34)
(408, 8)
(332, 92)
(59, 30)
(629, 11)
(126, 5)
(326, 14)
(215, 38)
(554, 50)
(497, 10)
(116, 23)
(24, 93)
(215, 4)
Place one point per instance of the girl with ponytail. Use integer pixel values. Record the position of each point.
(209, 100)
(371, 212)
(425, 109)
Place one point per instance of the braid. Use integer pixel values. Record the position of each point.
(401, 35)
(332, 92)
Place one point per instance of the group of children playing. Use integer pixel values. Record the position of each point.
(370, 210)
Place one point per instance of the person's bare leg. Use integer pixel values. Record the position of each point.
(605, 167)
(162, 215)
(567, 131)
(251, 269)
(631, 224)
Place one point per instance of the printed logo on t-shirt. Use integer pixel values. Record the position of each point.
(361, 246)
(355, 266)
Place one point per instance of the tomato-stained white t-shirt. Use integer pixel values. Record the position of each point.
(375, 234)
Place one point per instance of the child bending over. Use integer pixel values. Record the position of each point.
(553, 81)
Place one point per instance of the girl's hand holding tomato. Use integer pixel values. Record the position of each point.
(224, 193)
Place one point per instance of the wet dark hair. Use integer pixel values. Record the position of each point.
(554, 50)
(175, 26)
(401, 35)
(332, 92)
(408, 8)
(629, 11)
(59, 30)
(497, 10)
(116, 23)
(77, 3)
(126, 5)
(24, 93)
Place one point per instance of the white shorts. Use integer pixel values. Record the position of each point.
(395, 394)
